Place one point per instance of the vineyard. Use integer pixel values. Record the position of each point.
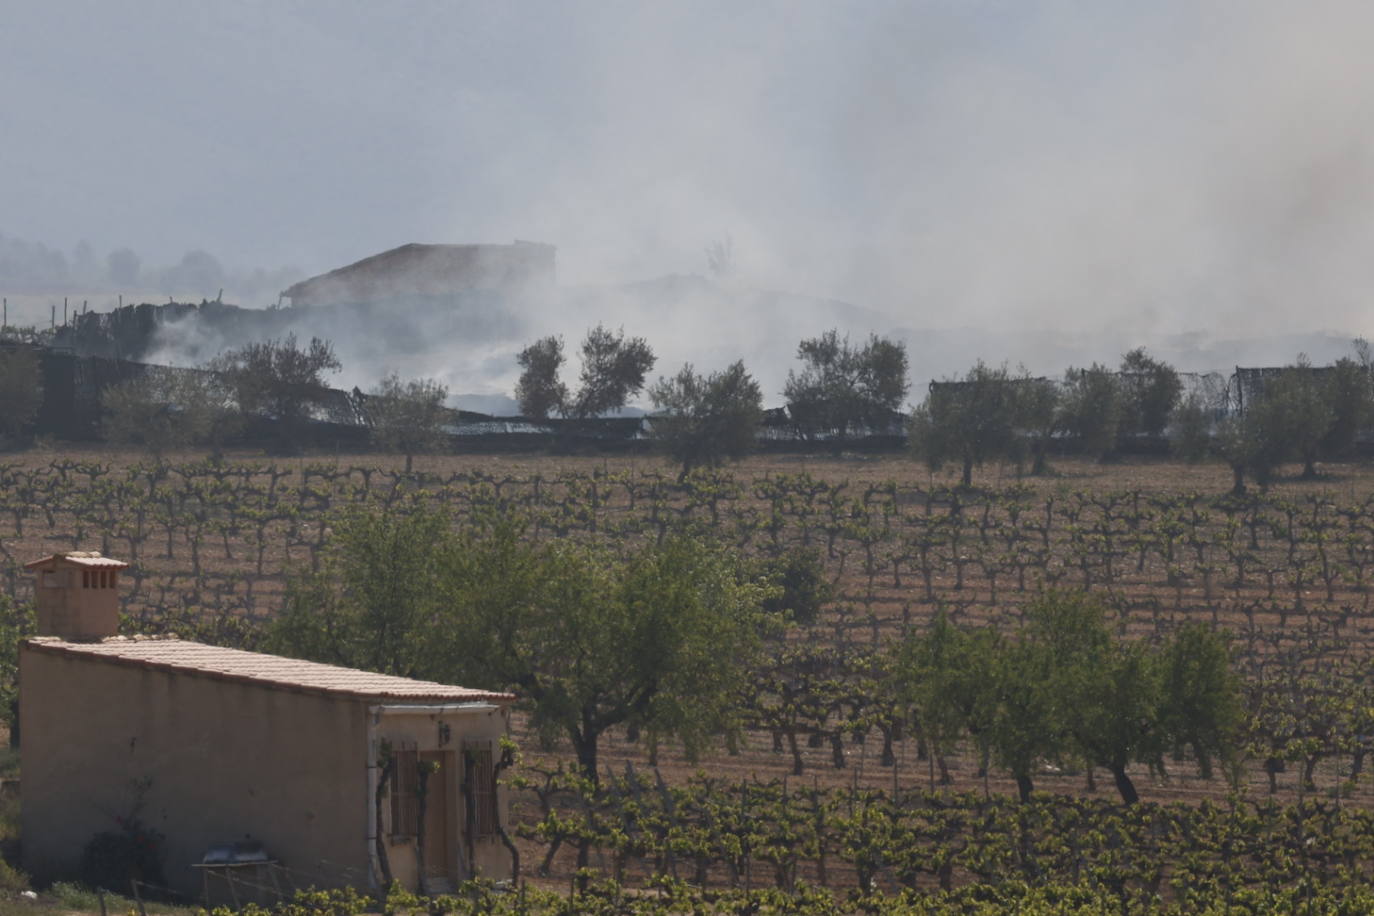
(836, 786)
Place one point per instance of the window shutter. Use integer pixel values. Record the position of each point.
(485, 816)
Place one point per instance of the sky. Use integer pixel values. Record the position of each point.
(1130, 169)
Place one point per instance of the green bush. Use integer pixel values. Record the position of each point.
(800, 574)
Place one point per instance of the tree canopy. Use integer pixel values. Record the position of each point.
(613, 371)
(539, 391)
(843, 388)
(701, 421)
(660, 638)
(1091, 408)
(1150, 390)
(162, 411)
(1063, 688)
(970, 421)
(279, 379)
(408, 417)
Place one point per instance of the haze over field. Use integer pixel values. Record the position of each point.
(1045, 183)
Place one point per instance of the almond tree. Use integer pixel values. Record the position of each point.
(661, 641)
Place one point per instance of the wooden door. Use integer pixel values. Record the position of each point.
(439, 819)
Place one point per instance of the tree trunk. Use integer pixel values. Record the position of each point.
(968, 471)
(586, 756)
(1024, 786)
(1123, 784)
(1038, 463)
(383, 860)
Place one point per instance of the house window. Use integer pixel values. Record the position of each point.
(405, 801)
(481, 781)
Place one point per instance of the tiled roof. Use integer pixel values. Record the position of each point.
(89, 558)
(170, 654)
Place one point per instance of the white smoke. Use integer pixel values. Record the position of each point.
(1046, 183)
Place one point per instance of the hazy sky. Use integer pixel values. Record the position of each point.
(1149, 167)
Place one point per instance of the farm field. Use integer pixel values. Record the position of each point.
(827, 775)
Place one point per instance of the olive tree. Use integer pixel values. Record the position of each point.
(613, 371)
(969, 421)
(1150, 389)
(702, 421)
(1091, 408)
(1350, 395)
(279, 379)
(166, 410)
(407, 417)
(1293, 416)
(539, 391)
(843, 388)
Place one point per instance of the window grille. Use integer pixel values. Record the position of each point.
(405, 800)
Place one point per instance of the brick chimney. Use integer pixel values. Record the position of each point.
(77, 595)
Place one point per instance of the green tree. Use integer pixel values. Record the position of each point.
(408, 417)
(378, 597)
(1190, 437)
(970, 421)
(164, 411)
(1150, 391)
(842, 388)
(704, 420)
(1350, 396)
(1201, 695)
(539, 391)
(613, 371)
(1038, 417)
(802, 588)
(1106, 695)
(279, 379)
(948, 677)
(1239, 442)
(662, 639)
(1293, 416)
(21, 391)
(17, 621)
(1091, 408)
(1025, 727)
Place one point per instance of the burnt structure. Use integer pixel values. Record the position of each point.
(430, 271)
